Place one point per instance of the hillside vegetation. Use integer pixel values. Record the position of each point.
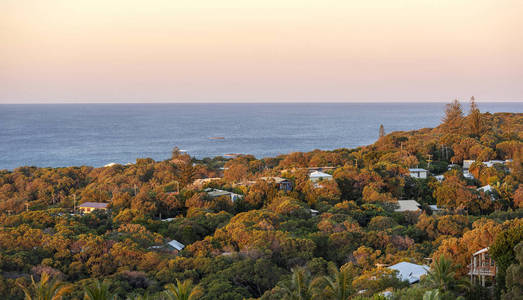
(269, 244)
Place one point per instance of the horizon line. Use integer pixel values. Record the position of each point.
(261, 102)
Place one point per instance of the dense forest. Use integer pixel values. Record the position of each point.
(327, 239)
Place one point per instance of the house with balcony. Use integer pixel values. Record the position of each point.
(482, 267)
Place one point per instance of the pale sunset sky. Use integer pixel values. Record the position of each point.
(71, 51)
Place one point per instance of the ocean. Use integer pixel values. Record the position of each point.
(56, 135)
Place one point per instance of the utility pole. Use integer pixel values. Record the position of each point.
(429, 160)
(74, 203)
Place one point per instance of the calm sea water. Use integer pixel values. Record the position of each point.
(97, 134)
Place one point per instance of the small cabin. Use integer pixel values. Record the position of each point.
(175, 245)
(215, 193)
(410, 272)
(467, 174)
(319, 176)
(485, 188)
(467, 163)
(491, 163)
(418, 173)
(482, 267)
(408, 205)
(314, 212)
(202, 181)
(282, 183)
(440, 178)
(89, 207)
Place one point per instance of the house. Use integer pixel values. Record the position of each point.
(491, 163)
(452, 166)
(282, 183)
(436, 210)
(482, 267)
(418, 173)
(203, 181)
(88, 207)
(440, 178)
(314, 212)
(410, 272)
(467, 163)
(467, 175)
(215, 193)
(319, 176)
(408, 205)
(175, 245)
(434, 207)
(485, 188)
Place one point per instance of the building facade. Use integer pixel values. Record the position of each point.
(482, 268)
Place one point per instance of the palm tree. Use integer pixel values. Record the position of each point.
(442, 276)
(182, 291)
(144, 297)
(337, 286)
(432, 295)
(300, 287)
(98, 291)
(46, 289)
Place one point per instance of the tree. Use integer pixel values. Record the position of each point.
(338, 285)
(182, 291)
(502, 250)
(98, 291)
(300, 287)
(46, 289)
(432, 295)
(475, 119)
(514, 273)
(453, 120)
(382, 131)
(442, 276)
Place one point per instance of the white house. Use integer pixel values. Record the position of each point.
(408, 205)
(467, 175)
(491, 163)
(418, 173)
(440, 178)
(486, 188)
(409, 271)
(467, 163)
(318, 176)
(215, 193)
(176, 245)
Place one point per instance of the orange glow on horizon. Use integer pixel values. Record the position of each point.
(272, 50)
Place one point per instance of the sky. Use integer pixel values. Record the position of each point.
(63, 51)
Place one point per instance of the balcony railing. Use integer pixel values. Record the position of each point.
(486, 271)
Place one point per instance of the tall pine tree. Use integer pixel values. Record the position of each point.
(475, 119)
(453, 120)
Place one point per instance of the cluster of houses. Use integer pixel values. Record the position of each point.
(482, 268)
